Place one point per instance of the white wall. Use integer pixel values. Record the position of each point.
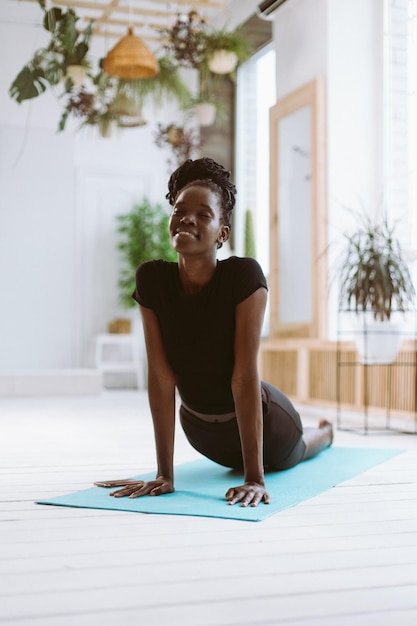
(354, 122)
(59, 195)
(340, 40)
(300, 28)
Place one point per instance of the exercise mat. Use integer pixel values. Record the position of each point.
(201, 486)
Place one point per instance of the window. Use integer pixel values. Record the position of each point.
(256, 93)
(400, 113)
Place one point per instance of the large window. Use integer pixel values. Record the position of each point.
(256, 94)
(400, 113)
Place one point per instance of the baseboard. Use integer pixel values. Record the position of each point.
(69, 382)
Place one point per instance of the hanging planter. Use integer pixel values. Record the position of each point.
(130, 58)
(131, 121)
(174, 134)
(127, 110)
(206, 113)
(223, 62)
(76, 74)
(224, 50)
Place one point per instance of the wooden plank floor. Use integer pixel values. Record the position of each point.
(348, 556)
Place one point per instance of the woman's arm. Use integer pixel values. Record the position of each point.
(247, 397)
(161, 392)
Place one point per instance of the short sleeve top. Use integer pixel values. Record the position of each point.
(198, 329)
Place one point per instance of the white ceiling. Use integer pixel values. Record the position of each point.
(112, 17)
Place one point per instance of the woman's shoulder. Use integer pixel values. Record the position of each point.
(155, 267)
(241, 264)
(243, 276)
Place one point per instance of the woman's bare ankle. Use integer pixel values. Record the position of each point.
(326, 425)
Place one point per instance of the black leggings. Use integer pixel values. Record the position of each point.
(219, 441)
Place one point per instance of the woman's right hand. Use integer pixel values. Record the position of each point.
(138, 488)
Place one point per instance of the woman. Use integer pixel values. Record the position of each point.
(202, 322)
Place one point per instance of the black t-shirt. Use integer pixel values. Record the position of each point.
(198, 330)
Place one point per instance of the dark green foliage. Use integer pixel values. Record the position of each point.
(143, 236)
(67, 46)
(374, 276)
(29, 83)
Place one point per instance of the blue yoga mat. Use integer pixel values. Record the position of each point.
(201, 486)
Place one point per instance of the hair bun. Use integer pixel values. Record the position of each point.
(202, 169)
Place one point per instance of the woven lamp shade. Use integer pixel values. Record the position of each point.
(130, 58)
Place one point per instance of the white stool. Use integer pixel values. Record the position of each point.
(131, 364)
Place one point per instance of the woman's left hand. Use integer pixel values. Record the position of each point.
(249, 494)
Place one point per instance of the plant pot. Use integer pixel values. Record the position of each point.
(129, 121)
(206, 113)
(120, 326)
(175, 135)
(77, 74)
(222, 62)
(378, 342)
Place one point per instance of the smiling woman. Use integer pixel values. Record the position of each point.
(202, 321)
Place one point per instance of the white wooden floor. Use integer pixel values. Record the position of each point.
(348, 556)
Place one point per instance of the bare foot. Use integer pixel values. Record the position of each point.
(326, 425)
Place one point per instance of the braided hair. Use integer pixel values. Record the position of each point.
(205, 172)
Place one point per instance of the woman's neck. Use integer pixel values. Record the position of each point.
(195, 273)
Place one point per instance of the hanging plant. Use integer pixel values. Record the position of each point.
(183, 143)
(206, 105)
(184, 40)
(122, 100)
(159, 89)
(67, 46)
(224, 50)
(91, 105)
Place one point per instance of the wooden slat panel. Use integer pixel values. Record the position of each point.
(114, 16)
(280, 369)
(390, 389)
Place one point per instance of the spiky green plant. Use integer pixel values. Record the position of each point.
(224, 39)
(143, 236)
(374, 276)
(250, 248)
(161, 88)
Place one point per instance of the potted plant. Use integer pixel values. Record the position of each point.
(184, 39)
(375, 282)
(183, 142)
(143, 236)
(224, 50)
(205, 107)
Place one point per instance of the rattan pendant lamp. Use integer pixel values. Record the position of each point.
(130, 58)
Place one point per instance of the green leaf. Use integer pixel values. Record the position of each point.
(29, 83)
(52, 18)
